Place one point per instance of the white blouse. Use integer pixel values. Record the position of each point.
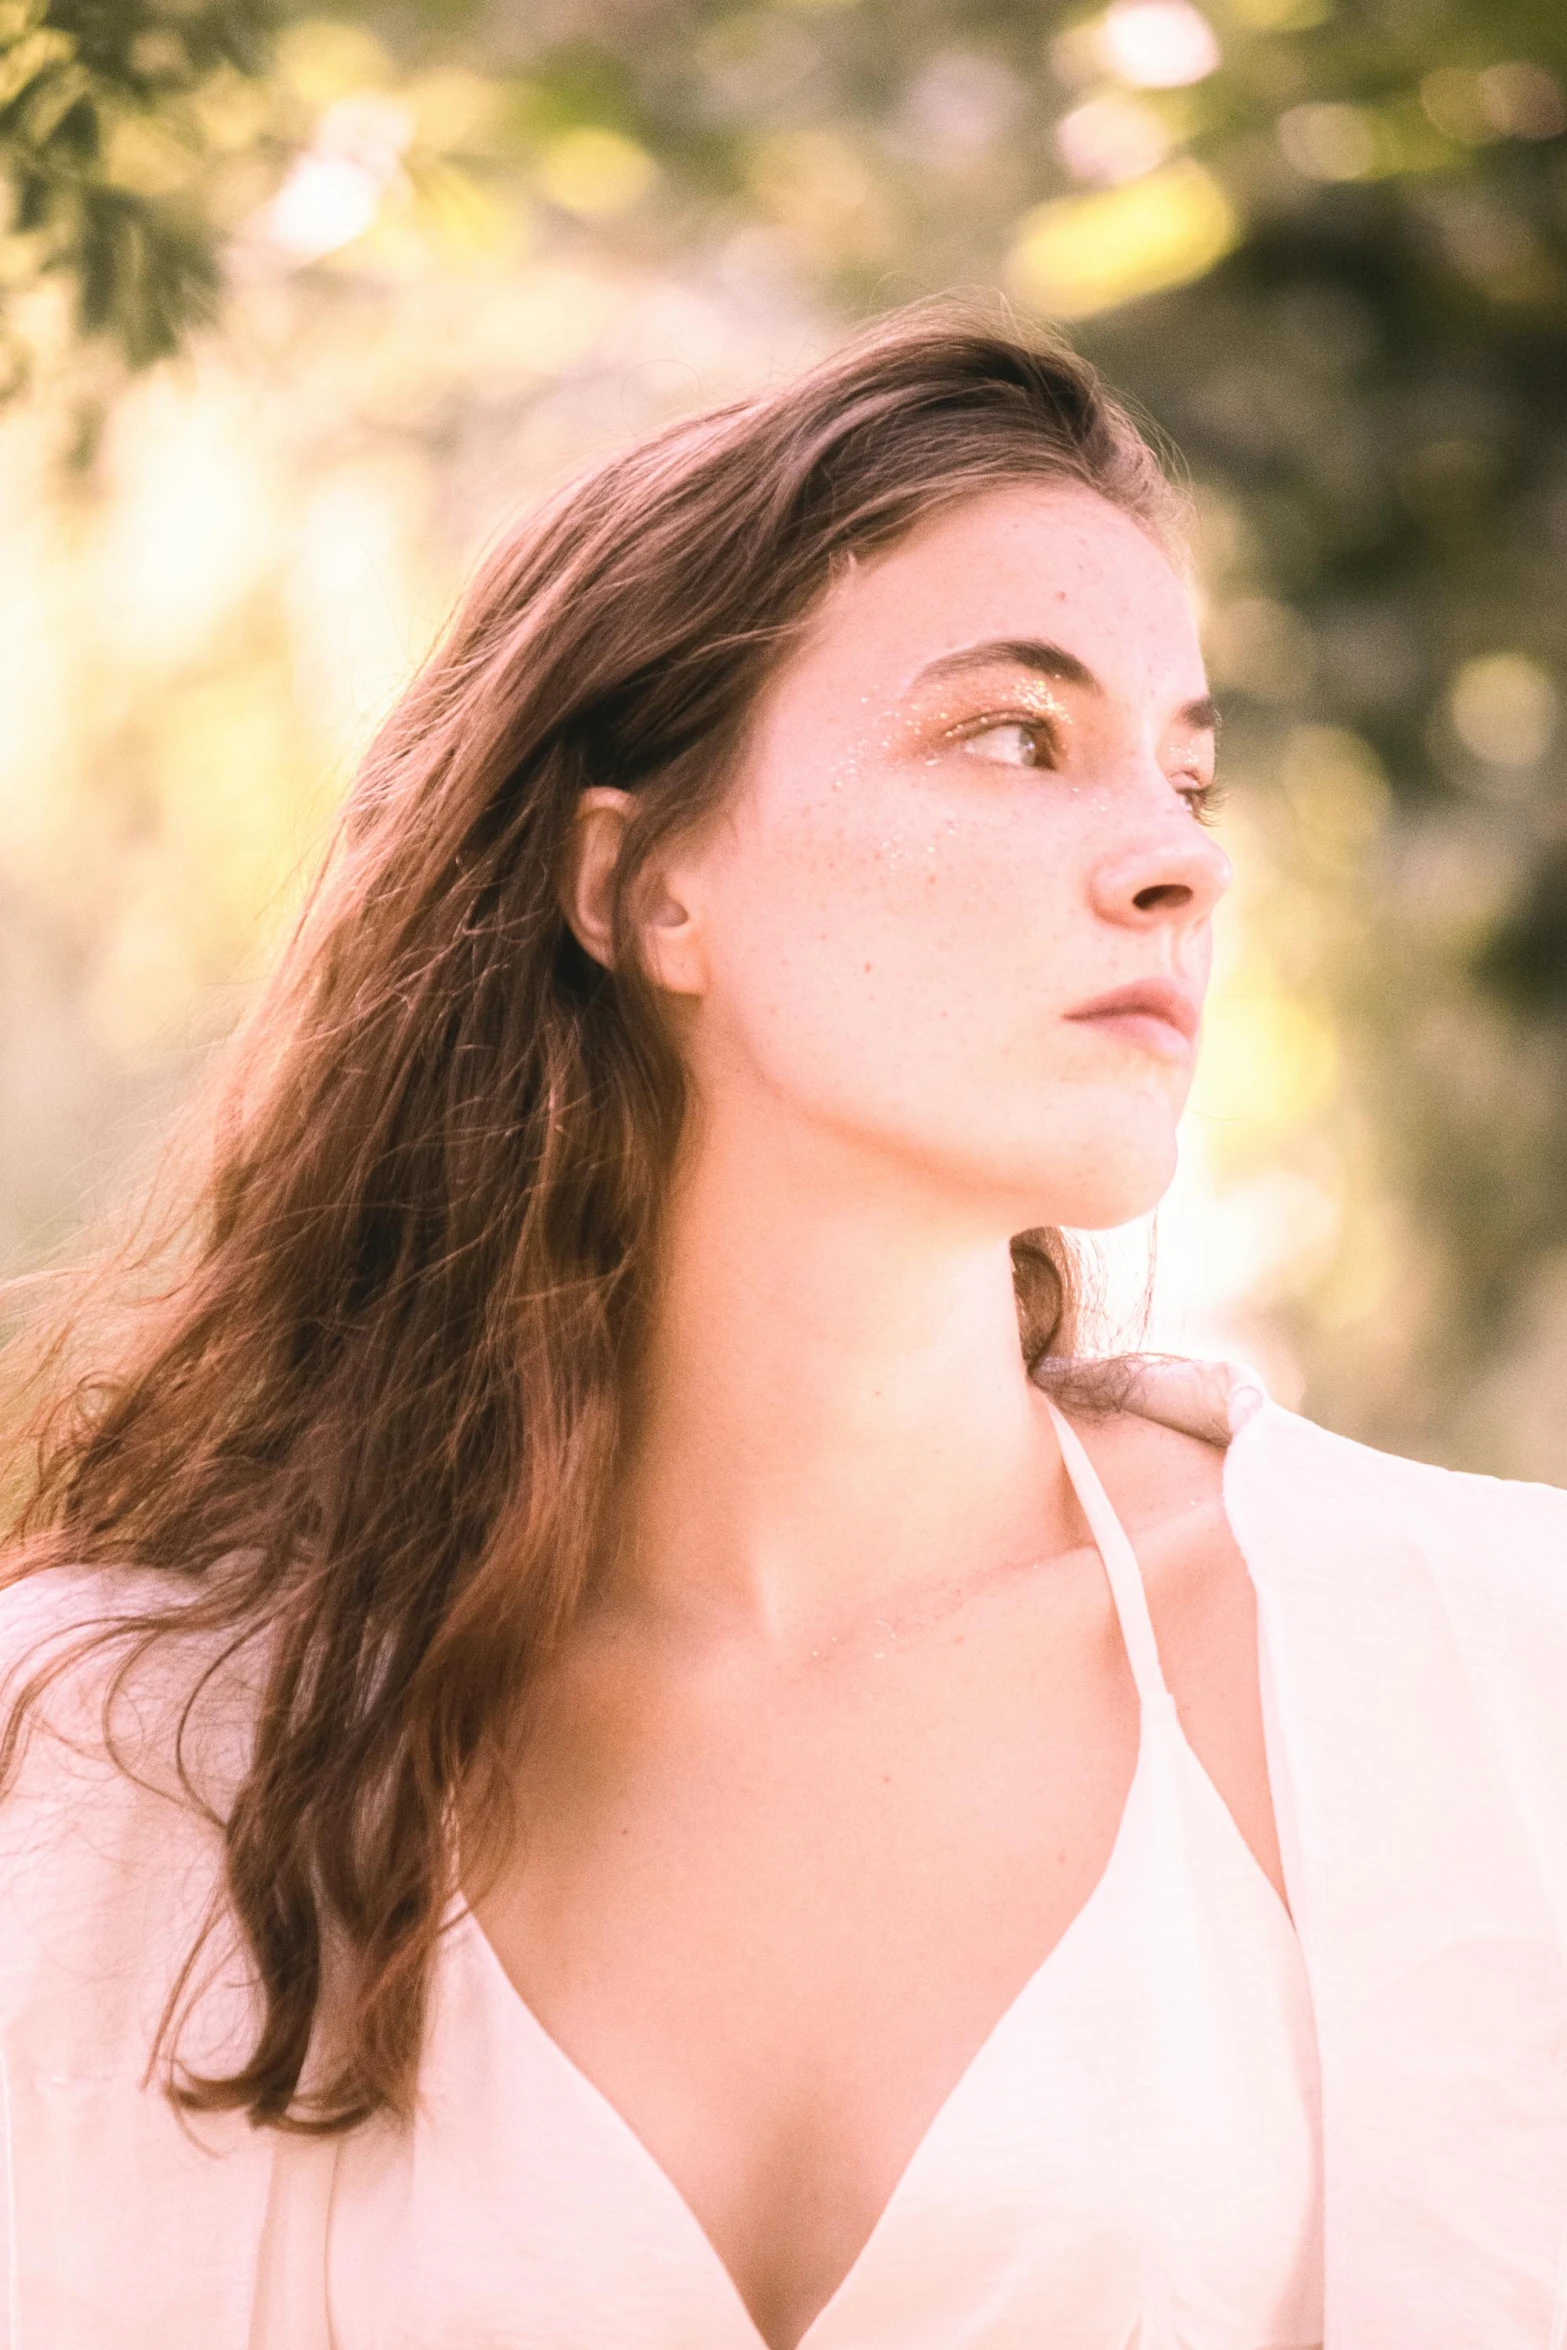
(1131, 2159)
(1412, 1657)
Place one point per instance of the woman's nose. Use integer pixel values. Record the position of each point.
(1178, 877)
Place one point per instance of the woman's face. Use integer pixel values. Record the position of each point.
(969, 811)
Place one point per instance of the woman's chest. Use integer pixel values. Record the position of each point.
(1108, 2167)
(1126, 2151)
(776, 1928)
(750, 1880)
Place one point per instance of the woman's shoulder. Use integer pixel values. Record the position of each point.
(111, 1837)
(46, 1610)
(1306, 1501)
(122, 1752)
(75, 1633)
(113, 1869)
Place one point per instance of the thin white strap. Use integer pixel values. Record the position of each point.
(1120, 1561)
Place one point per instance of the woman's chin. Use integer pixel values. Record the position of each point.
(1113, 1194)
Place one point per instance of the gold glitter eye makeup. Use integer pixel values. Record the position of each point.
(1023, 733)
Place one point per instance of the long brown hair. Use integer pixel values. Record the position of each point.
(366, 1419)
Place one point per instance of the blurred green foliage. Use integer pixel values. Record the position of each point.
(102, 146)
(1325, 245)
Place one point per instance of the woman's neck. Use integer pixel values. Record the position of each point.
(833, 1407)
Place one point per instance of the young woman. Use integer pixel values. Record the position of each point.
(613, 1739)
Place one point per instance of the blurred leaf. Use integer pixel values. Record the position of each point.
(101, 146)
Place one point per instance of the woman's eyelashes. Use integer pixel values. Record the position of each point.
(1202, 795)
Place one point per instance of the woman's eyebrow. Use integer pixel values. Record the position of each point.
(1043, 659)
(1021, 652)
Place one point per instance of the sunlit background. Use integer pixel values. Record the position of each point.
(301, 310)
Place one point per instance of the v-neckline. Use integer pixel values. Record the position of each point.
(1123, 1573)
(639, 2151)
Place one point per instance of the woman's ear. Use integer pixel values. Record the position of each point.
(667, 935)
(587, 889)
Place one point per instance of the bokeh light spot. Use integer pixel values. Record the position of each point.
(1111, 139)
(960, 105)
(1504, 709)
(1329, 142)
(1158, 44)
(595, 172)
(1522, 101)
(1451, 98)
(333, 194)
(322, 60)
(1080, 254)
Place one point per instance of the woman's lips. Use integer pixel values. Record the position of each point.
(1158, 1016)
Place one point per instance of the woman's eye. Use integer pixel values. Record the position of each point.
(1010, 743)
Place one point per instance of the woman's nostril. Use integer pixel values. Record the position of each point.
(1164, 896)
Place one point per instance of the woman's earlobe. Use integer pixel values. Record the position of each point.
(670, 941)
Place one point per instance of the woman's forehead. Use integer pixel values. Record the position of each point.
(1051, 563)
